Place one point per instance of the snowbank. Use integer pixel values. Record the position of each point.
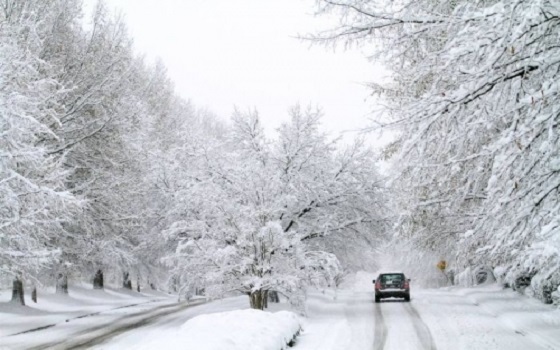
(232, 330)
(241, 329)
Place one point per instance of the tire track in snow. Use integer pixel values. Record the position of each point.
(380, 332)
(89, 337)
(100, 339)
(422, 330)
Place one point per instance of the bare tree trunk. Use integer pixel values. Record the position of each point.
(98, 280)
(138, 284)
(273, 296)
(17, 292)
(62, 284)
(34, 294)
(265, 299)
(256, 300)
(451, 277)
(127, 283)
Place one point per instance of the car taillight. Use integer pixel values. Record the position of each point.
(406, 285)
(378, 284)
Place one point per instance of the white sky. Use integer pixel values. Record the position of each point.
(226, 53)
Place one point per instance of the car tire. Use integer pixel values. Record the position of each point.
(377, 299)
(407, 298)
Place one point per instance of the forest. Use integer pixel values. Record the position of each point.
(107, 175)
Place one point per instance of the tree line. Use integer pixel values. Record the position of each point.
(473, 99)
(107, 174)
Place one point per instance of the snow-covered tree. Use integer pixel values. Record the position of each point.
(474, 95)
(74, 105)
(171, 137)
(34, 204)
(254, 205)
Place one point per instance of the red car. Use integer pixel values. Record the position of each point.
(392, 285)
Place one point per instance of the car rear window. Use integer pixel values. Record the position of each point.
(393, 278)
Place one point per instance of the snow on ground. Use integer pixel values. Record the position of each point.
(341, 319)
(486, 317)
(167, 327)
(479, 318)
(69, 311)
(344, 322)
(220, 324)
(235, 330)
(240, 330)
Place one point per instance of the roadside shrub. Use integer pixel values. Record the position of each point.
(483, 275)
(545, 287)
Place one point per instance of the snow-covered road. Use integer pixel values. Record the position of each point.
(83, 333)
(479, 318)
(354, 321)
(452, 318)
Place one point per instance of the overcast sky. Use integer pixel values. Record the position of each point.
(226, 53)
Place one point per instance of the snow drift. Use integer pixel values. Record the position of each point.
(234, 330)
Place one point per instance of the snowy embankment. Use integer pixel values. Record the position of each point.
(488, 317)
(52, 308)
(232, 330)
(526, 315)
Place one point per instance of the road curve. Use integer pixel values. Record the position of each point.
(100, 334)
